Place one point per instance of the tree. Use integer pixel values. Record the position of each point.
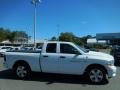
(67, 36)
(53, 39)
(84, 39)
(20, 36)
(70, 37)
(6, 34)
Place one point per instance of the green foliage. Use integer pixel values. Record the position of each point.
(54, 39)
(100, 46)
(82, 41)
(67, 36)
(6, 34)
(70, 37)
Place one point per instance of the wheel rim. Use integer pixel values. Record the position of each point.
(21, 71)
(96, 75)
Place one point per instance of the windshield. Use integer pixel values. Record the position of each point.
(83, 49)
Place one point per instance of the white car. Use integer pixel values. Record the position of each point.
(15, 48)
(3, 49)
(62, 58)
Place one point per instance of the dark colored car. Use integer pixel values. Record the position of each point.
(115, 51)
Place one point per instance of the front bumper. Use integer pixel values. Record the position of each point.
(111, 71)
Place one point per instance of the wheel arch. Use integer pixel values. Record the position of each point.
(94, 66)
(20, 62)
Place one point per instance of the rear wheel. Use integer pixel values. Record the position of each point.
(22, 70)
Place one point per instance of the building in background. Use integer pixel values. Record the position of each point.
(111, 38)
(20, 40)
(95, 41)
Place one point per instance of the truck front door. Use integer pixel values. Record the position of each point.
(71, 60)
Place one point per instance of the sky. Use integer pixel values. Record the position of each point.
(81, 17)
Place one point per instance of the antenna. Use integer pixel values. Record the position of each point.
(58, 30)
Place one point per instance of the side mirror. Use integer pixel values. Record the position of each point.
(87, 50)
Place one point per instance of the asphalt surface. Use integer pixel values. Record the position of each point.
(38, 81)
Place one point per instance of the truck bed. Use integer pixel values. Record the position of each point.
(26, 51)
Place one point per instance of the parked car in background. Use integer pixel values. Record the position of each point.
(27, 48)
(38, 48)
(3, 49)
(115, 51)
(30, 49)
(15, 48)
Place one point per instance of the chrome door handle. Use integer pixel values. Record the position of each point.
(45, 56)
(62, 57)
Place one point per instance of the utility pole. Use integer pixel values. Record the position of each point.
(35, 2)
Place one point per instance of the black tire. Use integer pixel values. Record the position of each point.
(22, 70)
(97, 75)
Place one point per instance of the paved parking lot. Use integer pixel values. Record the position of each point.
(52, 82)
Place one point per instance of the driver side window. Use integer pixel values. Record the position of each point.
(68, 49)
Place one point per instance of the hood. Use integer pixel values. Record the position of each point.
(100, 54)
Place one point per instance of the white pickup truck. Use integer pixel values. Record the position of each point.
(62, 58)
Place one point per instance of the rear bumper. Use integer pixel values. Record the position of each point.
(5, 65)
(111, 71)
(2, 54)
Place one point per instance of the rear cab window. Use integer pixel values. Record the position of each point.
(51, 48)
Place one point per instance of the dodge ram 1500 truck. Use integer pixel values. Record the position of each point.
(62, 58)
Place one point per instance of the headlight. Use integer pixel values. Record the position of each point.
(110, 63)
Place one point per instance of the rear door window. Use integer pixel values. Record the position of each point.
(51, 48)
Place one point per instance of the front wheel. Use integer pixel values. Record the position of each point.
(97, 75)
(22, 71)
